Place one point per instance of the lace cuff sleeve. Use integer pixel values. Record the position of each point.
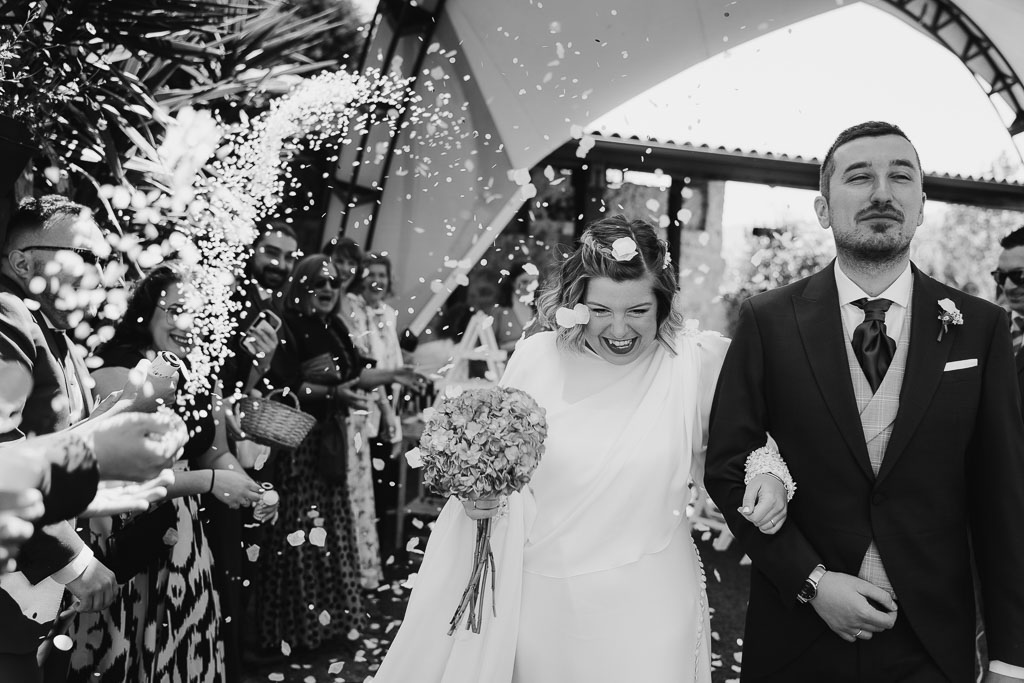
(766, 460)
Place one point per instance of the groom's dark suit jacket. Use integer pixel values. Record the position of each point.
(953, 473)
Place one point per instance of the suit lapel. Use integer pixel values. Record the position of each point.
(926, 359)
(821, 329)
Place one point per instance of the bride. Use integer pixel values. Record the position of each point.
(598, 579)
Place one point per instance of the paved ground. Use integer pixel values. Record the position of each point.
(355, 661)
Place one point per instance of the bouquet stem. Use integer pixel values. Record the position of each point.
(472, 604)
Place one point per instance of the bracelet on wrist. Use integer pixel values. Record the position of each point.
(767, 460)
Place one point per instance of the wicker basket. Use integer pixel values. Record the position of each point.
(273, 423)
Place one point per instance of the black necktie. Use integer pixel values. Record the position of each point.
(872, 346)
(1016, 331)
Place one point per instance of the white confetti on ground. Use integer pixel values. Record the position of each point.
(286, 649)
(296, 538)
(324, 618)
(253, 552)
(318, 537)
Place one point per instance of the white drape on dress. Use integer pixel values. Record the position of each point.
(597, 576)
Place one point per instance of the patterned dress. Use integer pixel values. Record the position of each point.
(164, 624)
(308, 587)
(361, 431)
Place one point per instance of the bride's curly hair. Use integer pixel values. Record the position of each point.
(566, 285)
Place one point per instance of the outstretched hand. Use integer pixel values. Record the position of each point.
(117, 499)
(765, 503)
(847, 604)
(137, 446)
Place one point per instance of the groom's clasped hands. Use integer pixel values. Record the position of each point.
(852, 607)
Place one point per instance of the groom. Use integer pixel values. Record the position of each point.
(903, 432)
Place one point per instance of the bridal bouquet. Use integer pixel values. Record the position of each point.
(480, 444)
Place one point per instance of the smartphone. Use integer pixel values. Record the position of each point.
(264, 317)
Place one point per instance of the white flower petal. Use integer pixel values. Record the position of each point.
(624, 249)
(414, 458)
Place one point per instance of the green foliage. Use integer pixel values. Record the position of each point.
(773, 260)
(95, 79)
(962, 250)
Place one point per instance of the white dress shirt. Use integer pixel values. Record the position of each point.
(898, 293)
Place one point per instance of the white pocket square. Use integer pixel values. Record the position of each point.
(961, 364)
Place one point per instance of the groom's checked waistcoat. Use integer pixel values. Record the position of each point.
(950, 477)
(878, 413)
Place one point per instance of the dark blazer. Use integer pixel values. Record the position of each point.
(237, 367)
(1019, 360)
(25, 338)
(953, 473)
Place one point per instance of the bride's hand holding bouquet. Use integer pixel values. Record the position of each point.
(480, 446)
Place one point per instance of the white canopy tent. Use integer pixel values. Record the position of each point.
(524, 76)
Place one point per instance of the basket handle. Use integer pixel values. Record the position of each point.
(293, 399)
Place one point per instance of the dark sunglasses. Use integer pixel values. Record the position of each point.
(88, 257)
(1015, 276)
(332, 282)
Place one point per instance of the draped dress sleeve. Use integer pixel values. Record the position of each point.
(423, 651)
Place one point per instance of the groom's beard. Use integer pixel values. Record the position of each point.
(870, 258)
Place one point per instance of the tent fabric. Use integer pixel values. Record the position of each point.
(526, 76)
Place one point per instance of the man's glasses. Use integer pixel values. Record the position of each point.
(88, 257)
(1016, 276)
(332, 282)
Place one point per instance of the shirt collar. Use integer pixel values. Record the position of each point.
(898, 292)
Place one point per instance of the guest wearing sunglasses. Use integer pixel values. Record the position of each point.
(1009, 277)
(308, 590)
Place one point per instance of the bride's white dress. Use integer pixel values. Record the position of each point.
(598, 580)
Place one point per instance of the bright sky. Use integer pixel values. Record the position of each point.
(767, 95)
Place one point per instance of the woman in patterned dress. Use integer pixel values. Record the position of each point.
(164, 625)
(309, 575)
(362, 424)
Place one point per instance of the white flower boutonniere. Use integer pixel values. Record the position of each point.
(624, 249)
(571, 317)
(949, 315)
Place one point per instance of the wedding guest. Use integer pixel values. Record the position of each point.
(1009, 277)
(515, 308)
(54, 394)
(309, 587)
(165, 623)
(384, 422)
(362, 425)
(892, 399)
(253, 347)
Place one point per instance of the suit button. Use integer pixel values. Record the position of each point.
(877, 499)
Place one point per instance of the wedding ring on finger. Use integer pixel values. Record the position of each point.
(858, 633)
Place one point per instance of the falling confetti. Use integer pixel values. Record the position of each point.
(296, 538)
(317, 537)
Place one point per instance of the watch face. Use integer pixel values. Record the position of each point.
(808, 592)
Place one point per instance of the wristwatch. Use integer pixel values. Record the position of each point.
(809, 591)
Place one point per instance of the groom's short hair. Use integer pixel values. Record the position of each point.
(1014, 239)
(868, 129)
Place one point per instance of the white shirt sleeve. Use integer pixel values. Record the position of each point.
(1004, 669)
(74, 568)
